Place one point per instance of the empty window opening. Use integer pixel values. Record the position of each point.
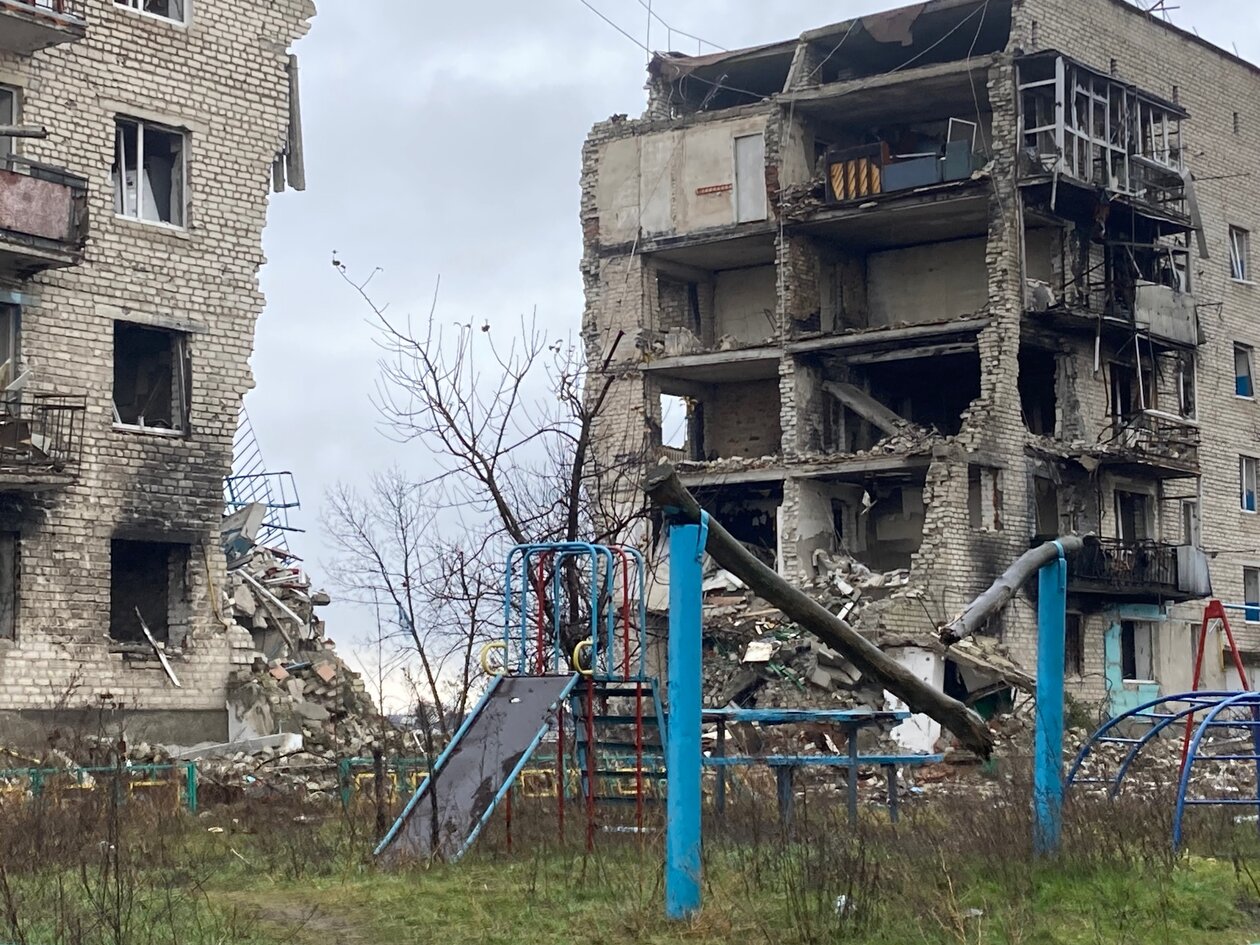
(1073, 645)
(151, 378)
(166, 9)
(9, 115)
(1137, 651)
(1251, 594)
(1247, 483)
(1244, 386)
(1239, 254)
(1046, 497)
(750, 513)
(149, 172)
(679, 308)
(148, 580)
(984, 498)
(1132, 390)
(1187, 386)
(674, 415)
(1037, 374)
(1135, 516)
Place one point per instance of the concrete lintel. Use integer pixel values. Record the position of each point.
(736, 356)
(865, 406)
(733, 477)
(833, 90)
(877, 337)
(866, 466)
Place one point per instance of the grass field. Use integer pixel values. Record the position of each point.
(955, 870)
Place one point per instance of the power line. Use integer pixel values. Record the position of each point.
(615, 26)
(673, 29)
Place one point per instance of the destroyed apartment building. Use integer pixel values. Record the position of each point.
(139, 140)
(913, 291)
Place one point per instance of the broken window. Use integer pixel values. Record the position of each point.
(1073, 645)
(1132, 390)
(1137, 651)
(1187, 386)
(148, 582)
(8, 116)
(1135, 516)
(10, 346)
(1037, 373)
(1247, 483)
(156, 195)
(166, 9)
(1243, 384)
(152, 383)
(984, 498)
(1251, 594)
(1239, 254)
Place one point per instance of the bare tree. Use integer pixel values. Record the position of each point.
(509, 423)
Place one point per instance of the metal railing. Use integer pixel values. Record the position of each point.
(72, 8)
(1126, 565)
(1155, 436)
(42, 433)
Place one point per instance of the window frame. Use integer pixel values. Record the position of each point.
(1249, 353)
(1131, 629)
(1251, 614)
(1240, 255)
(136, 8)
(119, 181)
(181, 384)
(1243, 461)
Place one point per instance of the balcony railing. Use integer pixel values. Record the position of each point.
(27, 26)
(43, 216)
(1155, 438)
(41, 439)
(1137, 569)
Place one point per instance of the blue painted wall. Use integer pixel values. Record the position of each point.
(1123, 695)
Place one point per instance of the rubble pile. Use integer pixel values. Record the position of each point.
(268, 595)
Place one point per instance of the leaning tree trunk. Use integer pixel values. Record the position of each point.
(667, 492)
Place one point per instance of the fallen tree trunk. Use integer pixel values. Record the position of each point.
(667, 492)
(1013, 578)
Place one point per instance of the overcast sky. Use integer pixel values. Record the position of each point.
(445, 139)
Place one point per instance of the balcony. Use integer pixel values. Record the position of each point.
(27, 26)
(1139, 569)
(1150, 443)
(41, 442)
(43, 218)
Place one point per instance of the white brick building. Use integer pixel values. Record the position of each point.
(936, 282)
(132, 203)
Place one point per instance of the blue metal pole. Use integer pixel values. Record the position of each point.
(1048, 738)
(683, 758)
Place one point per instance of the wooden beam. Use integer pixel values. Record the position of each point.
(876, 337)
(666, 492)
(865, 406)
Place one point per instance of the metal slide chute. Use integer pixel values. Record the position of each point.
(477, 769)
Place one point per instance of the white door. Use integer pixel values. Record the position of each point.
(750, 178)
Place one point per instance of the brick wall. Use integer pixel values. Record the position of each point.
(223, 79)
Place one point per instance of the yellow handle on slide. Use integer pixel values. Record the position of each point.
(577, 657)
(485, 658)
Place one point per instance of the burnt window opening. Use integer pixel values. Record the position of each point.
(149, 172)
(148, 580)
(984, 498)
(1073, 645)
(1137, 651)
(152, 378)
(166, 9)
(9, 559)
(1038, 371)
(1135, 516)
(1046, 498)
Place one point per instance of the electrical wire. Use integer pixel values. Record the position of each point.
(673, 29)
(588, 6)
